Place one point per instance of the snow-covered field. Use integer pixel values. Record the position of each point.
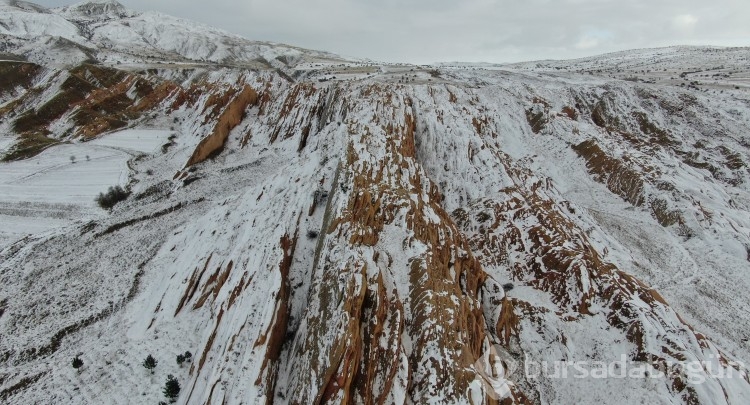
(59, 185)
(134, 140)
(5, 143)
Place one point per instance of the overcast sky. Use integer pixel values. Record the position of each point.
(424, 31)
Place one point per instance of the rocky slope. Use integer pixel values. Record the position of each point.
(346, 232)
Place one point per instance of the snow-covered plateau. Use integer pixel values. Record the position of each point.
(317, 229)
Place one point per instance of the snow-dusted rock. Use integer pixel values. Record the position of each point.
(321, 231)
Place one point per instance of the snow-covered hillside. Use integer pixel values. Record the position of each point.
(113, 34)
(315, 230)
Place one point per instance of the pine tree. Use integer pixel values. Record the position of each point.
(77, 363)
(150, 363)
(171, 388)
(180, 359)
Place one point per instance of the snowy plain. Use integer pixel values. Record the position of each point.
(58, 186)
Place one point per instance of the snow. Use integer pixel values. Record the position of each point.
(30, 25)
(63, 260)
(6, 142)
(115, 34)
(134, 140)
(53, 178)
(49, 190)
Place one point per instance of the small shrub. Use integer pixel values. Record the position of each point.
(312, 234)
(150, 363)
(113, 196)
(77, 363)
(72, 159)
(507, 287)
(182, 358)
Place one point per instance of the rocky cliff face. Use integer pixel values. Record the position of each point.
(457, 239)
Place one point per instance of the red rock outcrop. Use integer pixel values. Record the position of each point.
(231, 115)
